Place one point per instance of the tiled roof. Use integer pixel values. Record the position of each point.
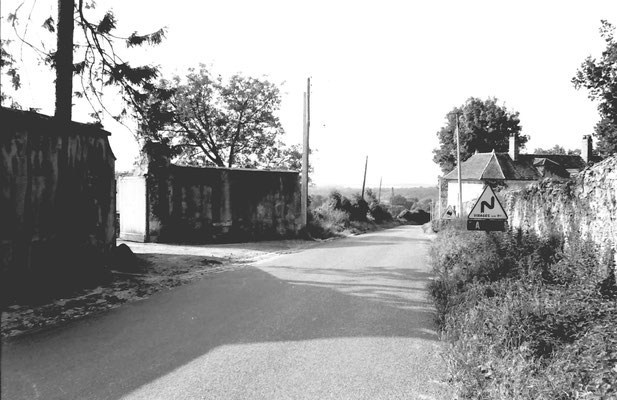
(482, 166)
(566, 161)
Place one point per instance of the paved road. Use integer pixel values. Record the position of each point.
(346, 319)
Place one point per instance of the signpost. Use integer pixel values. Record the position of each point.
(487, 214)
(449, 214)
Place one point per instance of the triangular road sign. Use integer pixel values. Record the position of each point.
(449, 213)
(487, 206)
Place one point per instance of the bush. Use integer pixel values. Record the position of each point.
(380, 214)
(526, 318)
(327, 221)
(338, 215)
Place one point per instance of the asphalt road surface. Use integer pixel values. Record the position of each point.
(346, 319)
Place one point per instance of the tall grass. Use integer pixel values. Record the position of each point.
(525, 317)
(339, 215)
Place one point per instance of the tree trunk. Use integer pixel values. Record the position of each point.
(64, 60)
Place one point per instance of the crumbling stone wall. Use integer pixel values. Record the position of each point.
(202, 205)
(586, 206)
(57, 201)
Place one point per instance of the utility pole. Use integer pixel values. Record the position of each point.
(379, 195)
(458, 167)
(439, 213)
(305, 151)
(364, 180)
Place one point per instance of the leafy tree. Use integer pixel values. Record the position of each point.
(606, 133)
(8, 66)
(557, 149)
(599, 77)
(281, 156)
(89, 51)
(371, 196)
(398, 200)
(484, 126)
(424, 204)
(210, 121)
(316, 201)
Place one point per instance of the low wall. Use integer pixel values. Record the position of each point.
(187, 204)
(586, 206)
(57, 199)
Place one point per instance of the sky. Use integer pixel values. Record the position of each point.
(383, 74)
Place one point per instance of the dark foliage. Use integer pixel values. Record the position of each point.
(380, 213)
(526, 317)
(95, 59)
(207, 120)
(599, 77)
(484, 126)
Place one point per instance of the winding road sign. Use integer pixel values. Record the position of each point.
(487, 206)
(487, 214)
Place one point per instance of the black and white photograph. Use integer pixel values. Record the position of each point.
(268, 199)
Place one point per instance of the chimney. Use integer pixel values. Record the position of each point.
(513, 147)
(586, 148)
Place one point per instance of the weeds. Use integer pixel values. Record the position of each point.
(339, 215)
(525, 317)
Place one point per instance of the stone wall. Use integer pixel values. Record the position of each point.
(188, 204)
(57, 200)
(586, 206)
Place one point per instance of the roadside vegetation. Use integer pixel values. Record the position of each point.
(338, 215)
(526, 317)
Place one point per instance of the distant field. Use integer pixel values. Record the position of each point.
(421, 192)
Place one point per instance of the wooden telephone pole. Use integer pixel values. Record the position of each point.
(458, 167)
(305, 151)
(364, 180)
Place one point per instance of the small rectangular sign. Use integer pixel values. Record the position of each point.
(486, 225)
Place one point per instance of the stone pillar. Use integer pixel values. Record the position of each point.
(226, 213)
(159, 190)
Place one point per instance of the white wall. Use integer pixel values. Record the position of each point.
(131, 205)
(471, 192)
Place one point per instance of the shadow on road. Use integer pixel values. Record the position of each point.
(143, 341)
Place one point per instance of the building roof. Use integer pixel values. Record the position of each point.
(21, 118)
(499, 166)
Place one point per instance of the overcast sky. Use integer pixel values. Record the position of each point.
(384, 74)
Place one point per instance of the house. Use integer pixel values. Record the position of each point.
(510, 169)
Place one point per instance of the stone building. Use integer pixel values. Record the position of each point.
(511, 170)
(57, 202)
(170, 203)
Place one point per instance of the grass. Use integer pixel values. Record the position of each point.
(525, 317)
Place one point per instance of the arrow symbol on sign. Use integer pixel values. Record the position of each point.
(486, 204)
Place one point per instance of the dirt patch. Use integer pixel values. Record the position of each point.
(159, 267)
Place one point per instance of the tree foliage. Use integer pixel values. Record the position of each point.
(96, 59)
(400, 200)
(484, 126)
(599, 77)
(8, 66)
(557, 149)
(207, 120)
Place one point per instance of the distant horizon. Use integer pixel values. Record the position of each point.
(373, 185)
